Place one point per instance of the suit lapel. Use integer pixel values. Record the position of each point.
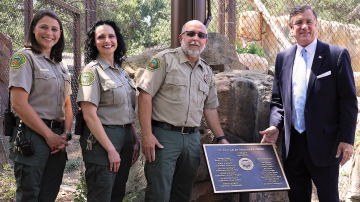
(318, 58)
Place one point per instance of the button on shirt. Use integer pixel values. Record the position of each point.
(46, 82)
(180, 92)
(310, 52)
(112, 92)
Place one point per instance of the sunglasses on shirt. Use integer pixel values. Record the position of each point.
(192, 34)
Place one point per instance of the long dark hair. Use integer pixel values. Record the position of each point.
(91, 52)
(30, 41)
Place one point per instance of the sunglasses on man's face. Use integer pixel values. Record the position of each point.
(192, 34)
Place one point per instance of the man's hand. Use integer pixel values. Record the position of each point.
(148, 146)
(270, 135)
(56, 143)
(223, 141)
(347, 150)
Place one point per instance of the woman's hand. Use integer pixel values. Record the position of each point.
(135, 154)
(114, 159)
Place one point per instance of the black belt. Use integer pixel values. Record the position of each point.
(166, 126)
(122, 126)
(52, 124)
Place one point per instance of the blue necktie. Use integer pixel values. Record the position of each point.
(301, 94)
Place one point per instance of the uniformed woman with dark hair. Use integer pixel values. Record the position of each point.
(110, 145)
(40, 97)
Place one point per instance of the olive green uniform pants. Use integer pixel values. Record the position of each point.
(38, 177)
(103, 185)
(172, 175)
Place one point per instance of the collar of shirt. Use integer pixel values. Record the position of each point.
(104, 65)
(184, 59)
(310, 49)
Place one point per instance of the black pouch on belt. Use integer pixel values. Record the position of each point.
(26, 146)
(80, 123)
(9, 120)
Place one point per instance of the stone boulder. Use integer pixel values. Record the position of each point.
(131, 64)
(219, 51)
(244, 110)
(353, 194)
(254, 62)
(357, 82)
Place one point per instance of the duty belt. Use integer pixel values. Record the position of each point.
(125, 126)
(167, 126)
(53, 123)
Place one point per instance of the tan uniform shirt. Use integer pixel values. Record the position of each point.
(110, 90)
(47, 82)
(180, 92)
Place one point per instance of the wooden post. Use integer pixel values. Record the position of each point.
(221, 17)
(28, 14)
(230, 16)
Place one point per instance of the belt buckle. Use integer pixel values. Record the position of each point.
(51, 124)
(182, 131)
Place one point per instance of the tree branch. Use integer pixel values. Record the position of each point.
(354, 12)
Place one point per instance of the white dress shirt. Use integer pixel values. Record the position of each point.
(310, 53)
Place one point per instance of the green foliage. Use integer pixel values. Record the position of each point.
(252, 48)
(72, 165)
(132, 196)
(81, 190)
(8, 182)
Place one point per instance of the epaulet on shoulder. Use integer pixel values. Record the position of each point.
(166, 51)
(204, 62)
(92, 65)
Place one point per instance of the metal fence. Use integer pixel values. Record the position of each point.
(257, 29)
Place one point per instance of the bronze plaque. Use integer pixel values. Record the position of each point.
(244, 168)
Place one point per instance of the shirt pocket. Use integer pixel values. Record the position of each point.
(112, 93)
(175, 88)
(45, 82)
(67, 85)
(202, 93)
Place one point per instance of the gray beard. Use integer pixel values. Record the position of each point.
(191, 53)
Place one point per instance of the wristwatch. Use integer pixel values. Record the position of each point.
(69, 134)
(220, 138)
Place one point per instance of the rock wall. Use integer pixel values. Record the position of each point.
(253, 29)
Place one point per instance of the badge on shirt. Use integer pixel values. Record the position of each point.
(155, 64)
(17, 60)
(206, 78)
(86, 78)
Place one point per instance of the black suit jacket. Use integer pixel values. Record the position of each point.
(331, 103)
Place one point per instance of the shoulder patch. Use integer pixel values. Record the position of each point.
(17, 60)
(86, 78)
(154, 64)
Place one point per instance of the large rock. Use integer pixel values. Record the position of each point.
(353, 194)
(244, 98)
(219, 51)
(131, 64)
(5, 56)
(254, 62)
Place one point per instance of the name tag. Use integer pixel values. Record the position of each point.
(45, 70)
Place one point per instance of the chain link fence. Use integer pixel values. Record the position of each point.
(258, 30)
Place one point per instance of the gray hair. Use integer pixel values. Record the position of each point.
(300, 9)
(183, 27)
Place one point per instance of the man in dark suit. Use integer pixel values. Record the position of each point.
(314, 100)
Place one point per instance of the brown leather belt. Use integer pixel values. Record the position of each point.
(167, 126)
(122, 126)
